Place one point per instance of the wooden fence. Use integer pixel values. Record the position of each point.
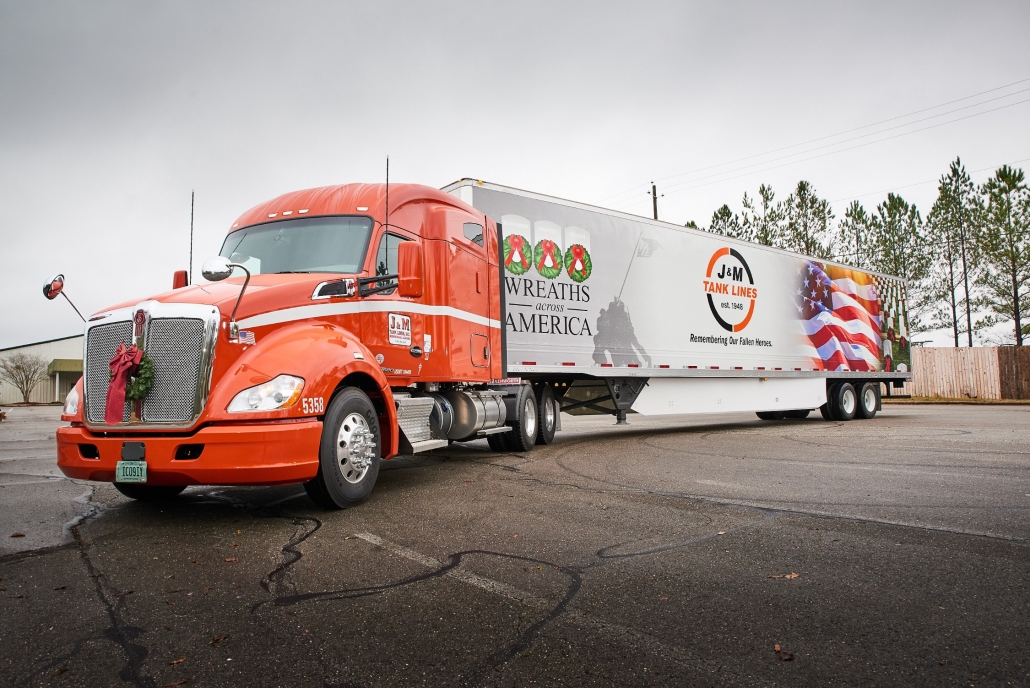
(970, 373)
(1014, 368)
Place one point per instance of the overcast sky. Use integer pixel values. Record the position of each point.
(112, 112)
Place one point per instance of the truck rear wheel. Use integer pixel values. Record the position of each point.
(524, 426)
(868, 399)
(843, 401)
(771, 415)
(799, 414)
(547, 406)
(348, 456)
(496, 441)
(149, 493)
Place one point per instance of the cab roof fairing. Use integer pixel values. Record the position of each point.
(345, 199)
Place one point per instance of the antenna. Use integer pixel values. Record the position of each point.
(192, 194)
(387, 190)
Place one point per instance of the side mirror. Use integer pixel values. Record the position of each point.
(216, 269)
(53, 288)
(179, 279)
(409, 269)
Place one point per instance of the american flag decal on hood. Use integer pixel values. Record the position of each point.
(841, 317)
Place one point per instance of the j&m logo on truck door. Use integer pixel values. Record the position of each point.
(730, 288)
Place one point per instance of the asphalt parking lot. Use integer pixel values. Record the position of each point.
(680, 551)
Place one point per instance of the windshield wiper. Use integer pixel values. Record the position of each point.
(293, 272)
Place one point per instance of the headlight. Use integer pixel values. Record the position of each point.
(71, 403)
(275, 394)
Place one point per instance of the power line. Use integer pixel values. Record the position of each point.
(844, 150)
(856, 138)
(822, 138)
(928, 181)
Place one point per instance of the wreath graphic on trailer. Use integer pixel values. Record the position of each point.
(515, 259)
(577, 258)
(548, 258)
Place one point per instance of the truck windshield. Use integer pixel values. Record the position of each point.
(308, 244)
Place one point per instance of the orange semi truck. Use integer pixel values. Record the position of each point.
(345, 325)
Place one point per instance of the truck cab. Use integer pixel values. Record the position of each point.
(342, 325)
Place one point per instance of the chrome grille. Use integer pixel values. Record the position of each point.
(103, 341)
(174, 345)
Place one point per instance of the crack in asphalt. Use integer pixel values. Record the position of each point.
(279, 578)
(119, 632)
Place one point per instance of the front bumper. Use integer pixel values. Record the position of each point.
(258, 454)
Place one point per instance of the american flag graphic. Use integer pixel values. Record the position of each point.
(840, 313)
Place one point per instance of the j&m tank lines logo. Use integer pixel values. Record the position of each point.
(731, 298)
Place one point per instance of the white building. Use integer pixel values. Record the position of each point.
(65, 356)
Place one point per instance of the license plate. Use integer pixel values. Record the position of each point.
(130, 472)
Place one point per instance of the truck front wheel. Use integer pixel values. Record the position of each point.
(348, 456)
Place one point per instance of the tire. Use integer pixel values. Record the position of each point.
(348, 456)
(824, 410)
(547, 406)
(868, 400)
(496, 441)
(771, 415)
(524, 426)
(149, 493)
(843, 401)
(799, 414)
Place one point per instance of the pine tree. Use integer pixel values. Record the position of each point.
(762, 225)
(944, 280)
(727, 223)
(853, 236)
(808, 219)
(958, 214)
(1005, 249)
(898, 249)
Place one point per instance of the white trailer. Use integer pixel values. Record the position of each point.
(612, 312)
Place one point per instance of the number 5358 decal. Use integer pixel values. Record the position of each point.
(313, 404)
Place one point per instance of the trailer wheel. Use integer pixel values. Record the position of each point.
(149, 493)
(771, 415)
(799, 414)
(843, 401)
(867, 400)
(348, 456)
(524, 426)
(547, 405)
(824, 410)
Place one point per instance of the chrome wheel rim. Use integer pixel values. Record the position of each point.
(549, 414)
(869, 400)
(355, 448)
(529, 416)
(847, 402)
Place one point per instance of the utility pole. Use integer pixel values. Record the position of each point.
(654, 199)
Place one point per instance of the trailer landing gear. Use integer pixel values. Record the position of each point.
(624, 391)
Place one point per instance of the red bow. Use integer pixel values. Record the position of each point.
(578, 254)
(517, 244)
(123, 366)
(547, 248)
